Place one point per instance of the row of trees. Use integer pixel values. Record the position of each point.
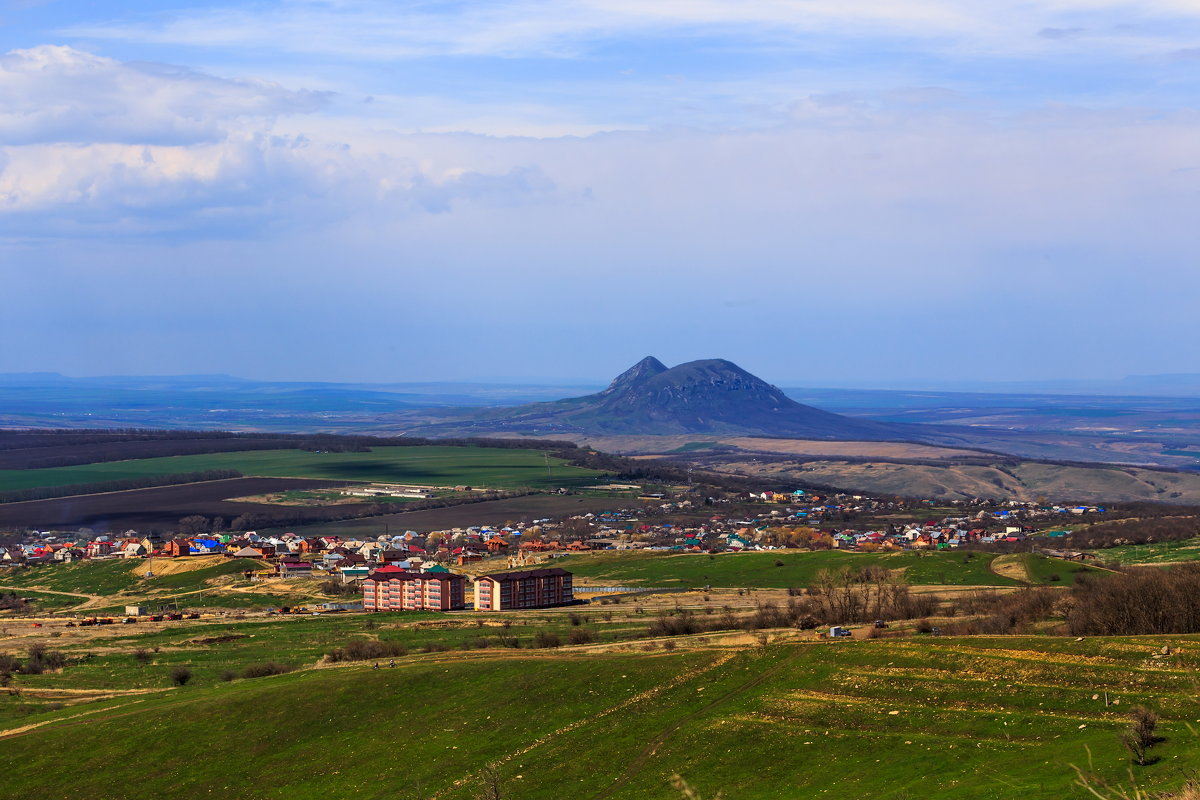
(1135, 531)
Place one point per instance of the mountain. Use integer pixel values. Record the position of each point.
(710, 396)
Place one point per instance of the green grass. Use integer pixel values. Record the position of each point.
(433, 465)
(1042, 569)
(42, 601)
(1157, 553)
(944, 719)
(300, 641)
(759, 570)
(102, 577)
(197, 578)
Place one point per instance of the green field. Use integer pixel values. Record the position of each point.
(759, 570)
(1157, 553)
(941, 719)
(432, 465)
(100, 577)
(1047, 570)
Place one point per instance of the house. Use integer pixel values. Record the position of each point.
(535, 588)
(176, 548)
(293, 568)
(247, 552)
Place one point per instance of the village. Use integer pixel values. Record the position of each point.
(432, 570)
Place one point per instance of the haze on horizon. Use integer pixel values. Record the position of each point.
(826, 193)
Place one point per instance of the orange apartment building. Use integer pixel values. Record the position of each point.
(534, 588)
(397, 589)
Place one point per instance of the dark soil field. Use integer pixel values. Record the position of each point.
(161, 506)
(491, 512)
(30, 451)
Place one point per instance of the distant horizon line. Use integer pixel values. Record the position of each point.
(1064, 386)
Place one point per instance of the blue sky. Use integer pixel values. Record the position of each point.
(887, 191)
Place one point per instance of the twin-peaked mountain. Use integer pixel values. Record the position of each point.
(710, 396)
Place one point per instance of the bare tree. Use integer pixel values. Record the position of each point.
(1140, 736)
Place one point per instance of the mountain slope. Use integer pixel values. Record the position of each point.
(708, 396)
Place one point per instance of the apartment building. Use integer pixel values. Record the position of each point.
(534, 588)
(398, 589)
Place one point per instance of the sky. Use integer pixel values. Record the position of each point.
(883, 192)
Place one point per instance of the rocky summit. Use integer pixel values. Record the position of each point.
(708, 396)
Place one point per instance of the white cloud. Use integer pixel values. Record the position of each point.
(90, 145)
(61, 94)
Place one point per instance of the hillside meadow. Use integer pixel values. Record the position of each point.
(781, 569)
(941, 718)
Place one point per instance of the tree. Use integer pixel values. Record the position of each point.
(180, 675)
(1139, 737)
(190, 526)
(489, 784)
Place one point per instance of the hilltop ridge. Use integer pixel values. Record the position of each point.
(704, 396)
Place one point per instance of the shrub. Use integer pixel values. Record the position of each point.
(366, 650)
(339, 589)
(265, 669)
(228, 675)
(576, 619)
(543, 639)
(1140, 736)
(141, 656)
(180, 675)
(581, 636)
(1140, 601)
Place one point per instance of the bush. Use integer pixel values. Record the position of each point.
(228, 675)
(180, 675)
(265, 669)
(1147, 600)
(339, 589)
(543, 639)
(141, 656)
(366, 650)
(576, 619)
(1140, 736)
(581, 636)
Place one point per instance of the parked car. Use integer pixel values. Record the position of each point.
(837, 632)
(880, 623)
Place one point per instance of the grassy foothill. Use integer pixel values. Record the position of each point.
(781, 568)
(940, 718)
(489, 467)
(1154, 553)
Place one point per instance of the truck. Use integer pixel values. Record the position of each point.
(837, 632)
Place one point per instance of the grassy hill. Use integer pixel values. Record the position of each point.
(931, 718)
(761, 570)
(432, 465)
